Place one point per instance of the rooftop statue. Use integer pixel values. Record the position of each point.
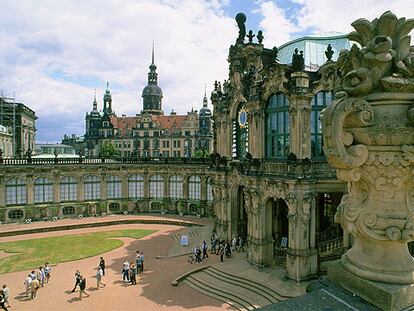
(298, 61)
(329, 53)
(368, 137)
(260, 36)
(241, 19)
(250, 36)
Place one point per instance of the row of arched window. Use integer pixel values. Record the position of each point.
(277, 138)
(16, 190)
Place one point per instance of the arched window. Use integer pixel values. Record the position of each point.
(240, 133)
(209, 190)
(319, 101)
(194, 188)
(176, 187)
(68, 189)
(113, 187)
(43, 190)
(277, 126)
(136, 186)
(16, 191)
(156, 186)
(92, 188)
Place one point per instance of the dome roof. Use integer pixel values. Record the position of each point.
(205, 111)
(314, 48)
(152, 89)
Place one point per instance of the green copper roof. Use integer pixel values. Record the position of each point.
(314, 48)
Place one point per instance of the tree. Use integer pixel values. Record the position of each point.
(108, 149)
(201, 153)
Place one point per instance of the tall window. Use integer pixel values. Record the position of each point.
(43, 190)
(68, 189)
(277, 126)
(156, 186)
(240, 133)
(176, 187)
(319, 101)
(15, 191)
(92, 188)
(113, 187)
(136, 186)
(209, 190)
(194, 188)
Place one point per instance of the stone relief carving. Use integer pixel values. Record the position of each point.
(368, 138)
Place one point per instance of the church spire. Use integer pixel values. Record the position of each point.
(153, 48)
(205, 96)
(152, 75)
(95, 104)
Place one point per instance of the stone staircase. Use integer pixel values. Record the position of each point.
(241, 293)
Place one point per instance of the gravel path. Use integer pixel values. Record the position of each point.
(153, 291)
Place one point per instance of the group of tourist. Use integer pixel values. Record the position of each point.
(224, 248)
(37, 279)
(131, 269)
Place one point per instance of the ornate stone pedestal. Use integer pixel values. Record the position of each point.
(386, 296)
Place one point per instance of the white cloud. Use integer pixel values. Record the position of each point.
(57, 51)
(277, 27)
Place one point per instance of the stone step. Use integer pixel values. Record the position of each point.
(268, 295)
(229, 298)
(232, 288)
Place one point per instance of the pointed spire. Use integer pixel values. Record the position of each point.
(95, 104)
(107, 85)
(205, 95)
(153, 48)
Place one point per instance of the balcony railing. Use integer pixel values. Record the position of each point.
(81, 160)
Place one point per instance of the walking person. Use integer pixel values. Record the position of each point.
(133, 274)
(241, 244)
(221, 251)
(3, 301)
(82, 287)
(40, 275)
(138, 263)
(34, 287)
(6, 294)
(102, 265)
(47, 271)
(233, 243)
(26, 283)
(142, 261)
(77, 280)
(125, 271)
(99, 276)
(213, 244)
(204, 247)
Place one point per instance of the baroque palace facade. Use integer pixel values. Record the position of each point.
(150, 133)
(271, 182)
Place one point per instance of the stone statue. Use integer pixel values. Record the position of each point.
(298, 62)
(241, 19)
(329, 53)
(275, 51)
(368, 137)
(250, 36)
(260, 36)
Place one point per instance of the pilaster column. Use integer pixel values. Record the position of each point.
(102, 179)
(203, 190)
(166, 185)
(146, 186)
(56, 187)
(2, 192)
(30, 190)
(124, 186)
(81, 188)
(299, 116)
(301, 260)
(185, 187)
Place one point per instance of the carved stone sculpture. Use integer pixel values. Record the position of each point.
(241, 19)
(368, 136)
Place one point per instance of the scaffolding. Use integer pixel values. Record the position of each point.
(8, 114)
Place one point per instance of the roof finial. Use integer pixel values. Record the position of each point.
(94, 95)
(107, 85)
(153, 48)
(205, 89)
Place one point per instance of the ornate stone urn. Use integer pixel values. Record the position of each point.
(368, 134)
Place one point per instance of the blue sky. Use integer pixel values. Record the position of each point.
(55, 53)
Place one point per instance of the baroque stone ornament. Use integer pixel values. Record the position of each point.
(368, 137)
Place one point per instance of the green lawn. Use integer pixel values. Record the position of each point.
(35, 252)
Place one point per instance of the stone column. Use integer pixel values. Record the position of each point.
(102, 179)
(299, 116)
(124, 186)
(30, 190)
(203, 190)
(301, 261)
(185, 187)
(56, 187)
(166, 185)
(2, 192)
(146, 186)
(81, 188)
